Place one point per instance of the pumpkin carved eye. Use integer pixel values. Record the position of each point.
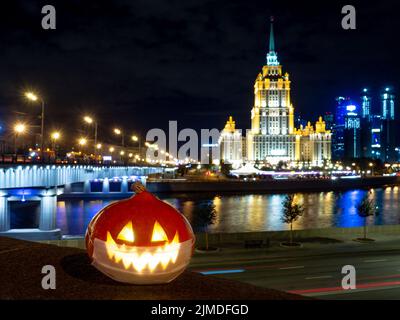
(158, 233)
(127, 234)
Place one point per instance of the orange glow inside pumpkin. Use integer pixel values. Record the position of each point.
(142, 258)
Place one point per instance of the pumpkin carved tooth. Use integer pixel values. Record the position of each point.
(130, 257)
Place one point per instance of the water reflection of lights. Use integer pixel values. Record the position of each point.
(245, 213)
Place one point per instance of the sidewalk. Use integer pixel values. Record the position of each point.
(312, 247)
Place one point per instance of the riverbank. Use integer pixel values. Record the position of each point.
(269, 186)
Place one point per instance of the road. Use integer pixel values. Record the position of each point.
(314, 271)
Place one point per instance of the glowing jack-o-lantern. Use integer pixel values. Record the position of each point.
(141, 240)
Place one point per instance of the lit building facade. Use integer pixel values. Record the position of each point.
(338, 127)
(273, 136)
(230, 142)
(376, 136)
(366, 111)
(352, 133)
(313, 145)
(366, 124)
(389, 130)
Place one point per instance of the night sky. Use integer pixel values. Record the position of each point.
(137, 64)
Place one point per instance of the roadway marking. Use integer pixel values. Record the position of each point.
(287, 268)
(320, 277)
(221, 271)
(377, 260)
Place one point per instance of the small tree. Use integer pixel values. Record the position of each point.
(226, 169)
(203, 216)
(291, 212)
(365, 209)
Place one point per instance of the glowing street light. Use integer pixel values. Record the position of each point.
(90, 120)
(136, 139)
(111, 149)
(19, 128)
(98, 146)
(33, 97)
(82, 141)
(55, 135)
(119, 132)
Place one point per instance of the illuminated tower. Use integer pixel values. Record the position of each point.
(387, 105)
(366, 104)
(272, 120)
(366, 124)
(389, 126)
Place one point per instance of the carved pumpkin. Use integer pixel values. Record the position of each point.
(141, 240)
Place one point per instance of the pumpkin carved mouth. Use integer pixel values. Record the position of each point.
(142, 258)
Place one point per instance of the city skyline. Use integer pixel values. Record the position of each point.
(192, 100)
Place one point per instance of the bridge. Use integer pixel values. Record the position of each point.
(44, 183)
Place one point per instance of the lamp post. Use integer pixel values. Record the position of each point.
(118, 132)
(90, 120)
(54, 137)
(371, 165)
(33, 97)
(19, 128)
(137, 139)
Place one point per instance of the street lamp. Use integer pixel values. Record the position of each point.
(136, 139)
(90, 120)
(19, 128)
(118, 132)
(82, 141)
(54, 137)
(371, 165)
(33, 97)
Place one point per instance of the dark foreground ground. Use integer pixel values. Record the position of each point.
(21, 263)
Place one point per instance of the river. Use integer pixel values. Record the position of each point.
(255, 212)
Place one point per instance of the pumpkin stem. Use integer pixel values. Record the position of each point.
(138, 187)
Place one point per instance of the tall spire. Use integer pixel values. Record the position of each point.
(272, 58)
(271, 36)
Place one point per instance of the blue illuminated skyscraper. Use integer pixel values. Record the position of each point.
(329, 121)
(352, 132)
(338, 128)
(366, 111)
(366, 124)
(376, 132)
(387, 100)
(388, 128)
